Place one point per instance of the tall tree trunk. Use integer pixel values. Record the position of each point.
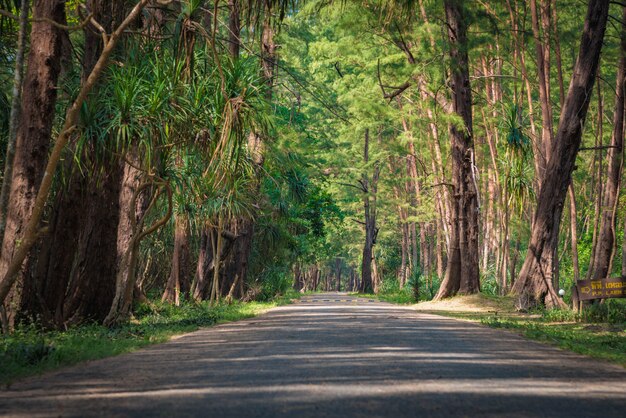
(606, 236)
(217, 257)
(132, 179)
(83, 257)
(33, 136)
(534, 284)
(12, 268)
(238, 264)
(234, 28)
(571, 193)
(462, 274)
(14, 118)
(179, 280)
(204, 266)
(596, 180)
(369, 206)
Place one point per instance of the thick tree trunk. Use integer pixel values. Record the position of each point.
(534, 284)
(239, 259)
(12, 268)
(79, 267)
(45, 292)
(33, 136)
(571, 193)
(92, 282)
(462, 274)
(606, 237)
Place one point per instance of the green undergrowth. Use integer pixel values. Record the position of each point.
(391, 292)
(600, 340)
(599, 331)
(31, 350)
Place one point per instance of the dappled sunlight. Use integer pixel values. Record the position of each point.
(334, 356)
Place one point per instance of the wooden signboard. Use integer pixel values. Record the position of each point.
(612, 287)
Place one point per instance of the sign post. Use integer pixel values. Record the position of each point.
(611, 287)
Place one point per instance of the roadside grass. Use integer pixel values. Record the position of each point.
(599, 332)
(593, 333)
(31, 350)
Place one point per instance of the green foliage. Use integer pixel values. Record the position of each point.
(274, 281)
(607, 344)
(489, 286)
(559, 315)
(390, 291)
(612, 311)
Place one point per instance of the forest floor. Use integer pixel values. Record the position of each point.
(332, 355)
(602, 338)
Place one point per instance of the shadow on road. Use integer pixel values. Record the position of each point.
(347, 359)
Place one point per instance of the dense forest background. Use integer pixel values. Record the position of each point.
(230, 150)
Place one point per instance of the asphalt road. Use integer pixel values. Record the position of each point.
(332, 355)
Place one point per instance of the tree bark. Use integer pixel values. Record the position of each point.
(234, 29)
(178, 282)
(606, 237)
(11, 267)
(369, 206)
(14, 118)
(33, 139)
(542, 49)
(79, 266)
(534, 284)
(462, 273)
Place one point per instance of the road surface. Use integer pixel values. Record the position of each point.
(332, 355)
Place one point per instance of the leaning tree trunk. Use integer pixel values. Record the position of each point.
(33, 136)
(462, 274)
(534, 284)
(11, 264)
(604, 250)
(125, 282)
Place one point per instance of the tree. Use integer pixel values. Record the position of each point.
(32, 142)
(603, 253)
(36, 179)
(462, 273)
(534, 284)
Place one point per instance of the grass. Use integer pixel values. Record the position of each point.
(599, 332)
(602, 341)
(30, 350)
